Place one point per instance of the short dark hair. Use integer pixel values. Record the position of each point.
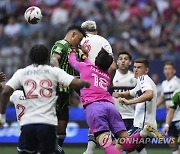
(170, 63)
(78, 28)
(125, 53)
(39, 54)
(142, 60)
(103, 60)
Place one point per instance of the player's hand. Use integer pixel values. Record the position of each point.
(83, 48)
(166, 129)
(124, 101)
(2, 120)
(2, 77)
(115, 94)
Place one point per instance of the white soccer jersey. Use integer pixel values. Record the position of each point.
(93, 44)
(145, 112)
(124, 82)
(39, 84)
(19, 101)
(168, 87)
(176, 116)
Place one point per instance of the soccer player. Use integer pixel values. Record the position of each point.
(101, 114)
(174, 108)
(169, 85)
(93, 43)
(124, 80)
(145, 94)
(59, 58)
(38, 118)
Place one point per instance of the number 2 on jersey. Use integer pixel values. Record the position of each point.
(45, 90)
(19, 106)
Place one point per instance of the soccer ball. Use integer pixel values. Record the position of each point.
(33, 15)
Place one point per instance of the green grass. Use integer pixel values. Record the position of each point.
(80, 150)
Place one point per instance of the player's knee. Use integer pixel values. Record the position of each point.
(173, 143)
(104, 139)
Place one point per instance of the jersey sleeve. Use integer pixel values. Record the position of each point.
(15, 81)
(133, 91)
(64, 78)
(144, 83)
(107, 47)
(57, 48)
(175, 101)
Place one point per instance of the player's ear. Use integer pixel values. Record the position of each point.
(147, 70)
(130, 63)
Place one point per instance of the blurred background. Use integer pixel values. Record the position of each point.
(145, 28)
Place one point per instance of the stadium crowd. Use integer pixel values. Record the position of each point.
(147, 28)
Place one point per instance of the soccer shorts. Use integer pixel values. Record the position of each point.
(37, 138)
(103, 116)
(128, 123)
(174, 129)
(62, 106)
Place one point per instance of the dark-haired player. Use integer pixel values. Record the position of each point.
(145, 94)
(101, 114)
(124, 80)
(169, 85)
(38, 117)
(59, 58)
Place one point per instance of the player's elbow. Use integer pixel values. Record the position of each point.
(7, 91)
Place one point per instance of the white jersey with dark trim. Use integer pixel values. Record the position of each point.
(93, 44)
(39, 84)
(168, 88)
(19, 101)
(145, 112)
(121, 83)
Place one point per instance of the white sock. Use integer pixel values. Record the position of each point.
(90, 148)
(175, 152)
(143, 133)
(143, 151)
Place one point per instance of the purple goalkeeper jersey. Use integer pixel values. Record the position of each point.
(99, 80)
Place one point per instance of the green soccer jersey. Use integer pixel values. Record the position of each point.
(176, 99)
(63, 48)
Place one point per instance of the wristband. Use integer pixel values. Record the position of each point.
(166, 125)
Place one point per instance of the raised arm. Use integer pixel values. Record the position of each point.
(55, 59)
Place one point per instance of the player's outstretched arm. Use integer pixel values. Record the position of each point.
(125, 94)
(169, 118)
(146, 96)
(160, 101)
(78, 84)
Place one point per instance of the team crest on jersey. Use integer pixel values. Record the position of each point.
(131, 81)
